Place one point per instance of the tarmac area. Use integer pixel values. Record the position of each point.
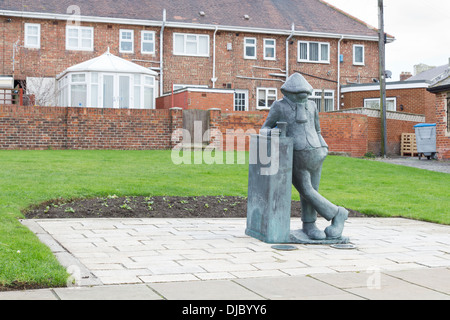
(424, 163)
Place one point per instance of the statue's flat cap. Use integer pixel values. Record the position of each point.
(297, 83)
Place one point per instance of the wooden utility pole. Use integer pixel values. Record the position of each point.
(382, 50)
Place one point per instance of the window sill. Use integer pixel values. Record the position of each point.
(191, 55)
(316, 62)
(86, 50)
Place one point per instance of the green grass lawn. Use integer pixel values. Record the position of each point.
(31, 177)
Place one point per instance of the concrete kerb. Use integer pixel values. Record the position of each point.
(159, 257)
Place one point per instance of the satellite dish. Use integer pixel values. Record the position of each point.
(388, 74)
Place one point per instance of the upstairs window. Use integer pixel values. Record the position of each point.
(191, 45)
(358, 55)
(80, 38)
(318, 52)
(148, 42)
(269, 49)
(32, 36)
(126, 41)
(249, 48)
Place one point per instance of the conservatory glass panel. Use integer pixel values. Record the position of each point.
(79, 95)
(108, 91)
(124, 92)
(148, 98)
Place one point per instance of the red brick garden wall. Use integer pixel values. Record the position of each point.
(395, 128)
(89, 128)
(86, 128)
(346, 133)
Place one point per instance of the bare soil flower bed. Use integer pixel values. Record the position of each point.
(149, 207)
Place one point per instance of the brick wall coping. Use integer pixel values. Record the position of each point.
(393, 115)
(389, 86)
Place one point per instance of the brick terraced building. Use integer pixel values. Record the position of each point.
(248, 47)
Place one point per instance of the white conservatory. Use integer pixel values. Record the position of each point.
(107, 82)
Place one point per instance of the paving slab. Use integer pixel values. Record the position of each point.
(205, 290)
(393, 258)
(294, 288)
(122, 292)
(437, 279)
(43, 294)
(398, 291)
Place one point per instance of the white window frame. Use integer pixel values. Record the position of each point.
(246, 45)
(270, 46)
(84, 83)
(308, 59)
(185, 40)
(358, 63)
(27, 36)
(63, 87)
(80, 47)
(266, 107)
(122, 31)
(317, 95)
(143, 41)
(394, 99)
(241, 92)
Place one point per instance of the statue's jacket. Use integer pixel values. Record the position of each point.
(306, 135)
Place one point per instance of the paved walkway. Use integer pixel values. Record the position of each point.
(213, 259)
(432, 165)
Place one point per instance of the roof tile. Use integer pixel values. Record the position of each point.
(307, 15)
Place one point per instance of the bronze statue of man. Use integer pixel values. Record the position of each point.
(310, 151)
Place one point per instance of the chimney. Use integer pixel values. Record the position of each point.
(405, 75)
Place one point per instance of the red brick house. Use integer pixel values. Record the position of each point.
(248, 47)
(442, 91)
(409, 102)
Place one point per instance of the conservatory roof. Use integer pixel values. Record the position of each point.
(108, 62)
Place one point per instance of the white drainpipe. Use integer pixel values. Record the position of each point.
(287, 50)
(161, 55)
(339, 74)
(214, 79)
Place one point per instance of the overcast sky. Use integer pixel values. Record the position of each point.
(421, 29)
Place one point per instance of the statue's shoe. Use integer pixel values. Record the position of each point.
(313, 233)
(337, 225)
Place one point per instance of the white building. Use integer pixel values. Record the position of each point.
(107, 82)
